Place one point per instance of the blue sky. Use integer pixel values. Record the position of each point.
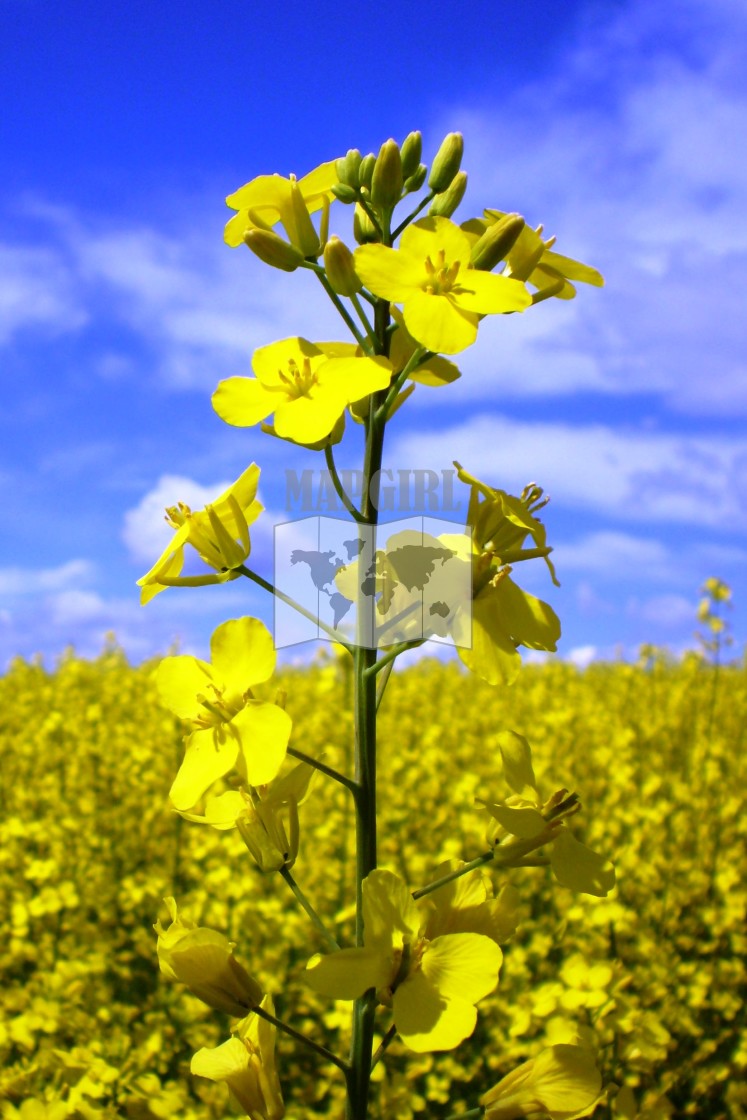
(621, 126)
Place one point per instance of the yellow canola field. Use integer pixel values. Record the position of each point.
(653, 977)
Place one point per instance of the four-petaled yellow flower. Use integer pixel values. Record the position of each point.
(442, 297)
(219, 534)
(306, 385)
(268, 199)
(561, 1083)
(534, 823)
(231, 728)
(247, 1064)
(432, 986)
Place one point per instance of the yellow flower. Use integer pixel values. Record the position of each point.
(306, 385)
(432, 986)
(534, 823)
(203, 960)
(247, 1064)
(232, 729)
(219, 534)
(430, 275)
(269, 199)
(561, 1083)
(502, 615)
(532, 260)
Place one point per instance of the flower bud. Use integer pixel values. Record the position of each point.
(415, 181)
(338, 261)
(203, 960)
(411, 150)
(273, 250)
(363, 228)
(447, 162)
(497, 242)
(365, 171)
(347, 168)
(444, 204)
(386, 182)
(344, 193)
(302, 233)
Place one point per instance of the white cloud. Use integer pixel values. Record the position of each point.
(74, 606)
(582, 656)
(633, 154)
(18, 581)
(667, 611)
(631, 475)
(37, 290)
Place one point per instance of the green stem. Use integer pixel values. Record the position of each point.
(473, 864)
(364, 1009)
(322, 767)
(364, 319)
(411, 217)
(473, 1112)
(374, 219)
(309, 909)
(415, 359)
(262, 582)
(382, 682)
(385, 1042)
(350, 323)
(337, 483)
(287, 1029)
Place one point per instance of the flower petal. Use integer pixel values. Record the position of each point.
(530, 621)
(349, 973)
(179, 681)
(489, 651)
(262, 731)
(210, 755)
(463, 965)
(437, 322)
(388, 273)
(243, 655)
(429, 236)
(426, 1021)
(389, 912)
(488, 294)
(579, 868)
(243, 401)
(517, 764)
(308, 419)
(269, 361)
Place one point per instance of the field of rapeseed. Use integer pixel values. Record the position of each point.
(653, 977)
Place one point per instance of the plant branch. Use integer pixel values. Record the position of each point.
(309, 909)
(339, 488)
